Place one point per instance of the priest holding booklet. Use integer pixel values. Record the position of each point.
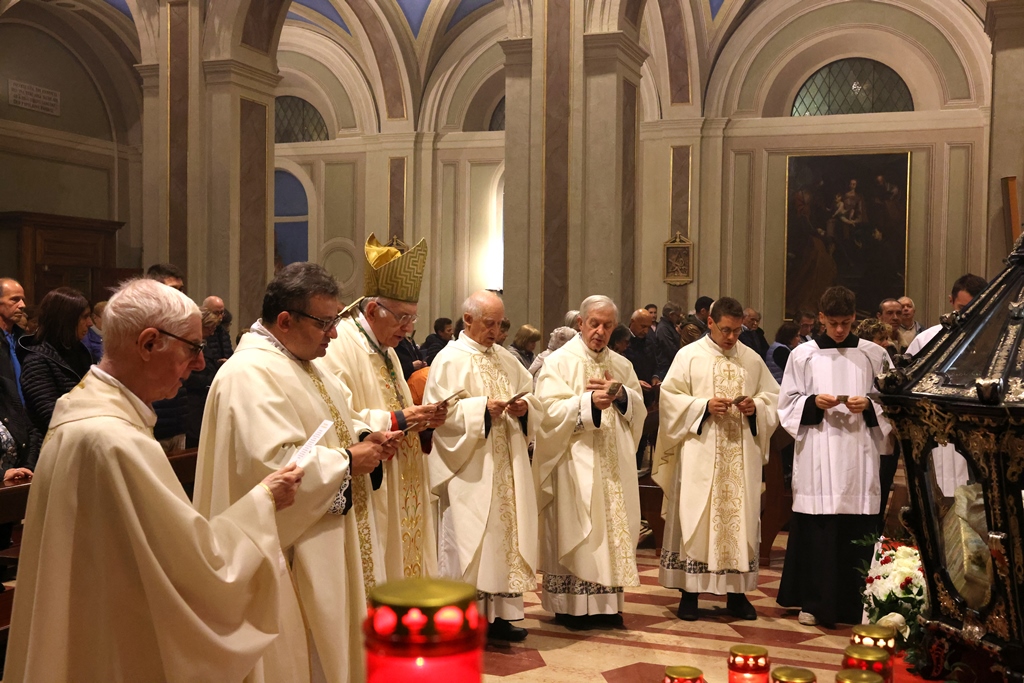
(480, 467)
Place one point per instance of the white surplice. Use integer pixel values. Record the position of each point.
(587, 490)
(403, 503)
(119, 578)
(262, 407)
(712, 531)
(835, 462)
(949, 466)
(487, 503)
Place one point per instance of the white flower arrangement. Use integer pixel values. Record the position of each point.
(895, 585)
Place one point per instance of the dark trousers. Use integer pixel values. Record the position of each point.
(821, 574)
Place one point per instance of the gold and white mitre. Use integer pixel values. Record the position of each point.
(392, 274)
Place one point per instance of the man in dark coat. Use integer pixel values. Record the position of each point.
(666, 337)
(12, 407)
(443, 332)
(752, 335)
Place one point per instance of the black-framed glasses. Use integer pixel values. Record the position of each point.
(403, 320)
(197, 347)
(325, 325)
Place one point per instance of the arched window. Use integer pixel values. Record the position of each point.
(853, 86)
(498, 116)
(296, 120)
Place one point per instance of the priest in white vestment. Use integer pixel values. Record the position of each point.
(839, 435)
(363, 357)
(949, 467)
(719, 408)
(584, 466)
(480, 467)
(119, 578)
(265, 403)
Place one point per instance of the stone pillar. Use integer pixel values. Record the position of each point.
(1004, 23)
(611, 67)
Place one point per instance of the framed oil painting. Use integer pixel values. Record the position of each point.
(846, 224)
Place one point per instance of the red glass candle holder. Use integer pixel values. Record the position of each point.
(869, 658)
(683, 674)
(857, 676)
(424, 630)
(793, 674)
(748, 664)
(875, 635)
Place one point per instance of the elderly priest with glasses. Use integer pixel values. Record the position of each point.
(119, 578)
(264, 405)
(363, 357)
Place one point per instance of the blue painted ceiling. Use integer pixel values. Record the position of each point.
(323, 7)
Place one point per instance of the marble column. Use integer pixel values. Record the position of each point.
(1004, 23)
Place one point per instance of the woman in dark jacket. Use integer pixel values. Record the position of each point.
(56, 360)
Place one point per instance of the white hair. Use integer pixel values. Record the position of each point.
(143, 303)
(595, 302)
(559, 336)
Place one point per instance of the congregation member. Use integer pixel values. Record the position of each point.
(94, 336)
(653, 310)
(719, 408)
(889, 311)
(806, 321)
(585, 471)
(640, 350)
(619, 339)
(363, 358)
(264, 404)
(409, 355)
(216, 352)
(667, 340)
(219, 342)
(948, 465)
(172, 412)
(437, 340)
(572, 319)
(787, 338)
(524, 344)
(908, 327)
(119, 578)
(480, 467)
(752, 335)
(20, 447)
(556, 340)
(839, 434)
(699, 317)
(55, 360)
(966, 287)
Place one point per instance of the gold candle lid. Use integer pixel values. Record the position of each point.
(748, 651)
(793, 674)
(685, 672)
(876, 631)
(858, 676)
(866, 653)
(422, 610)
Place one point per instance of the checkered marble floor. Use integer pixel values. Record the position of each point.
(653, 637)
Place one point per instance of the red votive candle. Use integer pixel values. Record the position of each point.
(748, 664)
(869, 658)
(683, 674)
(424, 630)
(875, 635)
(793, 674)
(857, 676)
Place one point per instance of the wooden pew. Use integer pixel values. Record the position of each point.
(777, 498)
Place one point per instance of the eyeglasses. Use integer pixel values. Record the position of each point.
(729, 331)
(403, 320)
(197, 347)
(325, 325)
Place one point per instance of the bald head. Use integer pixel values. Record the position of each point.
(751, 318)
(483, 313)
(640, 322)
(214, 306)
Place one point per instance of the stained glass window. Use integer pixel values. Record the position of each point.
(498, 116)
(296, 120)
(853, 86)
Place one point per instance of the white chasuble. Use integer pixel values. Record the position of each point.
(835, 461)
(585, 472)
(487, 504)
(402, 504)
(711, 467)
(262, 408)
(120, 579)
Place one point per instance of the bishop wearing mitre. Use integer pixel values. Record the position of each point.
(363, 357)
(266, 402)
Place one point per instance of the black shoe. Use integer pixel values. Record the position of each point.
(576, 622)
(613, 620)
(500, 629)
(740, 607)
(688, 607)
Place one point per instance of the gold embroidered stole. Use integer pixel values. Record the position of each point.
(409, 462)
(497, 386)
(360, 496)
(727, 484)
(620, 542)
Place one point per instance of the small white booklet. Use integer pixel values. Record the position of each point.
(302, 454)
